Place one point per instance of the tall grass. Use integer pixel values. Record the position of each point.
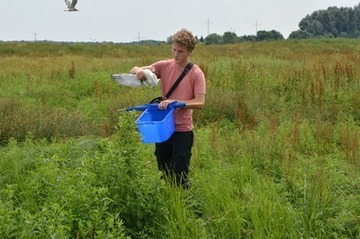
(246, 83)
(276, 151)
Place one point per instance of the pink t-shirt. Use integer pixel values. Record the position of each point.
(193, 83)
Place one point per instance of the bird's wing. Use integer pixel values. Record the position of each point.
(127, 80)
(73, 3)
(67, 2)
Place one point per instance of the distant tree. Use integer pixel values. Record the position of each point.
(269, 36)
(149, 42)
(230, 38)
(212, 39)
(299, 34)
(332, 22)
(247, 38)
(315, 28)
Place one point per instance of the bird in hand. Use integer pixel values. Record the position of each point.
(133, 81)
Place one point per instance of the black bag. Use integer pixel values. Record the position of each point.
(177, 82)
(157, 100)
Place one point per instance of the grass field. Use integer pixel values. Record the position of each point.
(276, 151)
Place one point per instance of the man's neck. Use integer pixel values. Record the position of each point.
(182, 65)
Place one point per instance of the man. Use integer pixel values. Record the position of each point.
(173, 156)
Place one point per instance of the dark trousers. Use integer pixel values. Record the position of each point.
(173, 157)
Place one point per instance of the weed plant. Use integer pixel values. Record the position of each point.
(276, 152)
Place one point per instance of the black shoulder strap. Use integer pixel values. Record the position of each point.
(177, 82)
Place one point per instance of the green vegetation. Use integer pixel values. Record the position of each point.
(276, 153)
(333, 22)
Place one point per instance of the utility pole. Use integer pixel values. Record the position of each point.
(208, 26)
(139, 38)
(35, 36)
(256, 27)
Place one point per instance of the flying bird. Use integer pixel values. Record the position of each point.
(71, 5)
(132, 80)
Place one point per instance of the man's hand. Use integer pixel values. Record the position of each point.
(164, 104)
(140, 75)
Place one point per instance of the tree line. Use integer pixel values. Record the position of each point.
(334, 22)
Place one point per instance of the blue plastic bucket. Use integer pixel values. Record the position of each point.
(155, 125)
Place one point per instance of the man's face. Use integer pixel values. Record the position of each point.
(180, 53)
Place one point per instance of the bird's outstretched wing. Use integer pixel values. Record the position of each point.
(126, 80)
(68, 3)
(132, 81)
(73, 3)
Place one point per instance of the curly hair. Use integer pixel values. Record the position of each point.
(185, 38)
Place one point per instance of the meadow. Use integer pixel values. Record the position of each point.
(276, 151)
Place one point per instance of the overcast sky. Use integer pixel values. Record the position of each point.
(133, 20)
